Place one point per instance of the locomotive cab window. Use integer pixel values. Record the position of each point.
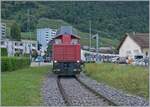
(58, 41)
(74, 41)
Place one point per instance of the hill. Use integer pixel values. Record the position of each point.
(111, 19)
(53, 23)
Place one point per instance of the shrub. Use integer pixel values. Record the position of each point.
(4, 52)
(17, 54)
(14, 63)
(26, 55)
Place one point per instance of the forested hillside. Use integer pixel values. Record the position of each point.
(110, 19)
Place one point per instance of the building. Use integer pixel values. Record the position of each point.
(22, 46)
(134, 44)
(44, 35)
(3, 30)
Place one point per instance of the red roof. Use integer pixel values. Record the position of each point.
(142, 39)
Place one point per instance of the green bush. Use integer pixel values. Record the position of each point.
(26, 55)
(4, 52)
(17, 54)
(14, 63)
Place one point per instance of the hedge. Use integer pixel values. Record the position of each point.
(4, 52)
(14, 63)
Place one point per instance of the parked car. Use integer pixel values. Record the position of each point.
(39, 59)
(121, 60)
(47, 59)
(138, 62)
(114, 60)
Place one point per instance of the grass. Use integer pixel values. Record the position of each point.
(22, 87)
(51, 23)
(26, 35)
(131, 79)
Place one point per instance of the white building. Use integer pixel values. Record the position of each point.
(22, 46)
(44, 35)
(3, 30)
(134, 44)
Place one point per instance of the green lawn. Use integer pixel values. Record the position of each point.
(131, 79)
(51, 23)
(22, 87)
(28, 35)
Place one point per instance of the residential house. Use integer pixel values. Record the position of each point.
(22, 46)
(3, 30)
(134, 44)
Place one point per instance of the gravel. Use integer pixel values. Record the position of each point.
(78, 95)
(51, 93)
(116, 96)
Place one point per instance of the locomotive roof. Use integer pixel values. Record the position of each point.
(66, 30)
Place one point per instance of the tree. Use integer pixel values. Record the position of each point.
(34, 54)
(49, 50)
(39, 45)
(15, 32)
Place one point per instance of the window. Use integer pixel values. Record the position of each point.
(21, 51)
(47, 40)
(16, 49)
(34, 45)
(136, 51)
(128, 52)
(74, 41)
(2, 42)
(58, 41)
(21, 44)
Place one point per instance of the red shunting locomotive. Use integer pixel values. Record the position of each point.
(66, 52)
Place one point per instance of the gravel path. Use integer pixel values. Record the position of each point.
(117, 97)
(51, 93)
(78, 95)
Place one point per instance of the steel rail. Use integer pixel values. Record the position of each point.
(65, 98)
(94, 92)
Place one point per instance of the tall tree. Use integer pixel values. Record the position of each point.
(15, 32)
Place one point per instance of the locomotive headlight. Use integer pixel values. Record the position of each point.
(78, 61)
(55, 61)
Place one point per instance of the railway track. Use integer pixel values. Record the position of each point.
(76, 93)
(62, 91)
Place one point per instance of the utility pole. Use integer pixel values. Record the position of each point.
(28, 29)
(90, 33)
(97, 43)
(97, 40)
